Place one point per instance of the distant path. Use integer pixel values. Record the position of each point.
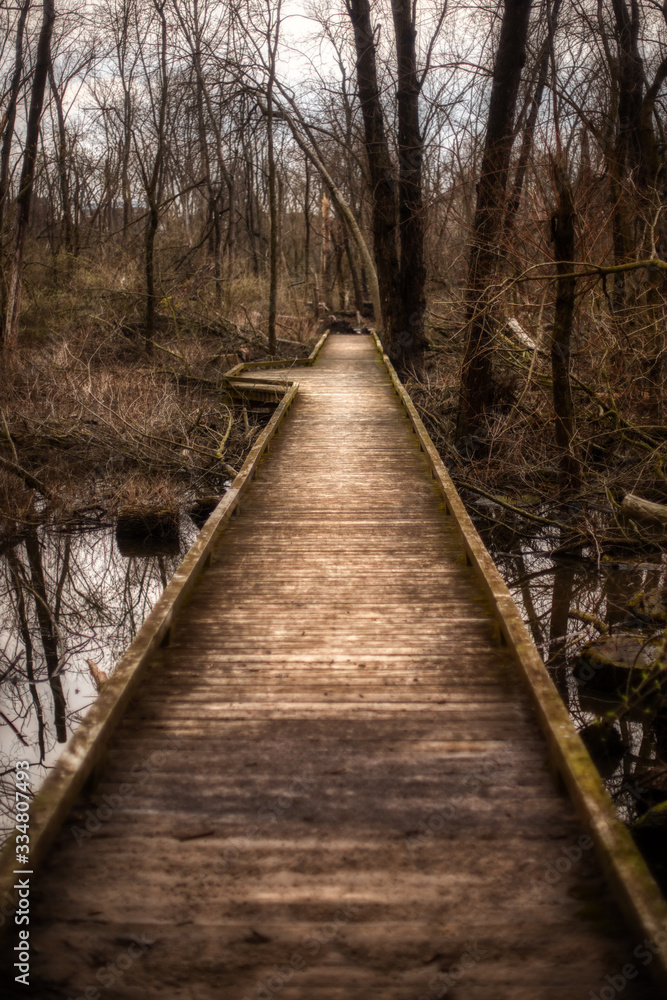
(331, 785)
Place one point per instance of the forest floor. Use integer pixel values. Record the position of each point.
(512, 464)
(100, 421)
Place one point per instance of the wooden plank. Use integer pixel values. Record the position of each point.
(250, 793)
(640, 898)
(86, 748)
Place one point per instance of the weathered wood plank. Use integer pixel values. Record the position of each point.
(333, 758)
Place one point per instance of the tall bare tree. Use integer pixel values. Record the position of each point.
(26, 184)
(9, 120)
(477, 386)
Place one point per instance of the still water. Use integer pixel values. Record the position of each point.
(558, 598)
(68, 599)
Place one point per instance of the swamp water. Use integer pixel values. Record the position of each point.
(70, 604)
(570, 603)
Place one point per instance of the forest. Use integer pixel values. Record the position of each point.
(182, 184)
(186, 185)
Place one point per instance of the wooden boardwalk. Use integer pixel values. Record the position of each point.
(331, 784)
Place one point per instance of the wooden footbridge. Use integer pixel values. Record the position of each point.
(325, 769)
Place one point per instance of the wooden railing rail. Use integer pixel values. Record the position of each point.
(639, 896)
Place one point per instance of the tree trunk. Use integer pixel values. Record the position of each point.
(381, 175)
(273, 241)
(48, 633)
(411, 341)
(42, 63)
(528, 131)
(627, 167)
(149, 271)
(8, 135)
(15, 569)
(564, 580)
(477, 388)
(62, 166)
(313, 153)
(562, 228)
(306, 218)
(644, 510)
(251, 226)
(273, 185)
(231, 228)
(125, 170)
(213, 220)
(630, 86)
(353, 264)
(154, 186)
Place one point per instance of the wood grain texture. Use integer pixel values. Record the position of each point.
(331, 784)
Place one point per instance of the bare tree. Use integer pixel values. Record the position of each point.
(381, 173)
(272, 39)
(9, 120)
(157, 79)
(411, 339)
(23, 201)
(477, 387)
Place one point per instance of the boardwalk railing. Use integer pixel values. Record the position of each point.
(85, 750)
(639, 896)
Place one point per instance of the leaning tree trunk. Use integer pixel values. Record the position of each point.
(345, 212)
(26, 184)
(528, 130)
(562, 228)
(477, 388)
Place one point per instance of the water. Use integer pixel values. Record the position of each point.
(66, 598)
(553, 595)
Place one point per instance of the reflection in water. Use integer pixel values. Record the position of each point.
(559, 599)
(65, 599)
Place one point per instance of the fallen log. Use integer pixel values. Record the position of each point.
(514, 330)
(644, 510)
(32, 481)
